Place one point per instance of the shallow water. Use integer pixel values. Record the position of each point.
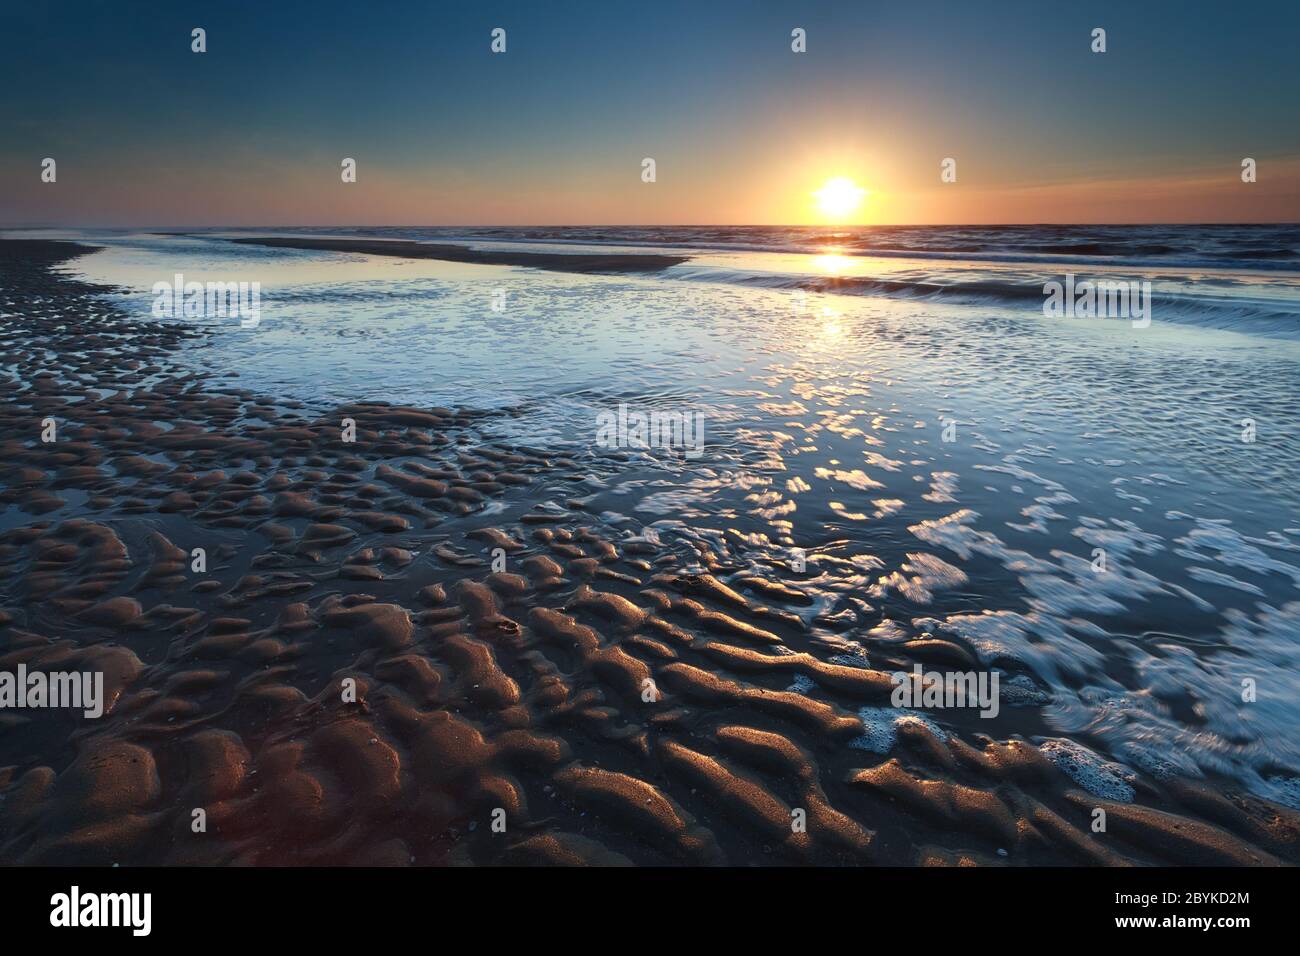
(826, 409)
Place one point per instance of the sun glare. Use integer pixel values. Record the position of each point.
(831, 262)
(839, 197)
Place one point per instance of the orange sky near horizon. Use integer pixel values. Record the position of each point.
(270, 195)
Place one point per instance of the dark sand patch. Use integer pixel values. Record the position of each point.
(553, 261)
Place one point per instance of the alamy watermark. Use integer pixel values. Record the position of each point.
(658, 428)
(1102, 299)
(133, 911)
(208, 300)
(946, 689)
(79, 690)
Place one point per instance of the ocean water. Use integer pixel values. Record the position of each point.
(831, 367)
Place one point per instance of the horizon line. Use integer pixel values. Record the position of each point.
(657, 225)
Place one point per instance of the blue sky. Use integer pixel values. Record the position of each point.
(146, 132)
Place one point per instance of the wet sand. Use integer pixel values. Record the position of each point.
(597, 698)
(552, 261)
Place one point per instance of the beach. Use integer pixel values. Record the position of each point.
(365, 588)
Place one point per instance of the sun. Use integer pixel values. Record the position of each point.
(839, 197)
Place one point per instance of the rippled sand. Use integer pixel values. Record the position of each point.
(680, 658)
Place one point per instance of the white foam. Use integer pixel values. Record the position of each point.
(1099, 777)
(880, 728)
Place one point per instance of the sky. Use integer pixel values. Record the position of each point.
(147, 133)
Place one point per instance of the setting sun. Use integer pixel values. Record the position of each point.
(839, 197)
